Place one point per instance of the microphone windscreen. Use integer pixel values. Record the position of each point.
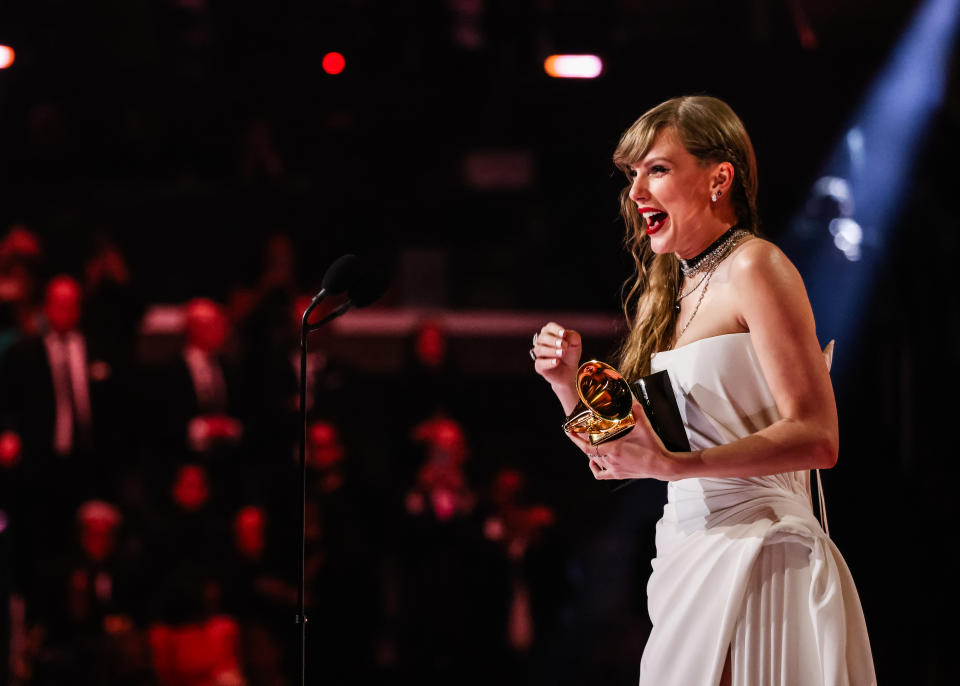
(367, 288)
(341, 275)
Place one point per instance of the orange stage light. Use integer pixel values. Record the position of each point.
(6, 56)
(573, 66)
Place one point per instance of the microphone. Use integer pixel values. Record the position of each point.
(367, 287)
(338, 278)
(363, 286)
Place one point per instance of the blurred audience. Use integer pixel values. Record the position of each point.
(195, 643)
(58, 406)
(83, 620)
(192, 524)
(518, 527)
(195, 398)
(113, 303)
(452, 585)
(342, 558)
(258, 595)
(151, 512)
(21, 255)
(441, 489)
(55, 416)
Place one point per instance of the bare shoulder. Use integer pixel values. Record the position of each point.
(769, 290)
(758, 261)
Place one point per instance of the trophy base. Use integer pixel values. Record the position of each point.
(623, 426)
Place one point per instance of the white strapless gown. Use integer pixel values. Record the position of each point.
(743, 563)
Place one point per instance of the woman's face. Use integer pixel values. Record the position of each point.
(671, 189)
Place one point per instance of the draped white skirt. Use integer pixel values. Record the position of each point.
(743, 565)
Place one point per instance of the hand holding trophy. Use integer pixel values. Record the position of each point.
(598, 400)
(606, 401)
(605, 408)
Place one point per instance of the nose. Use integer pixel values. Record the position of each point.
(638, 188)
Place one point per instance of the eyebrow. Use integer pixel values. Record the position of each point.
(649, 162)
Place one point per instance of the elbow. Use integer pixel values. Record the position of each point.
(825, 450)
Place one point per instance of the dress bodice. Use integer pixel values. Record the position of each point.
(723, 396)
(720, 388)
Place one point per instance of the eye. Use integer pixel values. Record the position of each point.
(658, 169)
(631, 173)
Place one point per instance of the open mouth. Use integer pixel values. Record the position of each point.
(655, 220)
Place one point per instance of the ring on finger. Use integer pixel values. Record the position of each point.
(600, 459)
(533, 355)
(535, 338)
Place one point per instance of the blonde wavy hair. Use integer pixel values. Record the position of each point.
(713, 133)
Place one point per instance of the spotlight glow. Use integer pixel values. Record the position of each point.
(573, 66)
(334, 63)
(837, 190)
(6, 56)
(847, 236)
(859, 197)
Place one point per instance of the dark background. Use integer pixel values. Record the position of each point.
(141, 120)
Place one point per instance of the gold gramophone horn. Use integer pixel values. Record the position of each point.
(605, 408)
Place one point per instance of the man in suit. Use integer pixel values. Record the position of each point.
(194, 403)
(56, 400)
(48, 379)
(194, 394)
(58, 391)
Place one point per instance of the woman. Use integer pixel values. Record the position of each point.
(746, 587)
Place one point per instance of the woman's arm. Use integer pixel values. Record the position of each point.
(771, 302)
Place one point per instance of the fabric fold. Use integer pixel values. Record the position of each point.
(743, 564)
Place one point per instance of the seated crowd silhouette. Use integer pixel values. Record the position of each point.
(149, 497)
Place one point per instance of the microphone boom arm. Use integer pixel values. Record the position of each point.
(330, 317)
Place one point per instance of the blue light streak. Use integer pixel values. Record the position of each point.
(838, 241)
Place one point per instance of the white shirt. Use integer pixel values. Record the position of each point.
(67, 354)
(207, 377)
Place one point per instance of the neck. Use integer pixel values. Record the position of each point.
(713, 254)
(705, 241)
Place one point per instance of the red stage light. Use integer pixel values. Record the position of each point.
(9, 451)
(6, 56)
(334, 63)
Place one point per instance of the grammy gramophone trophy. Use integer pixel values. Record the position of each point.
(605, 410)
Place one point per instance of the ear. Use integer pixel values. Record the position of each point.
(722, 178)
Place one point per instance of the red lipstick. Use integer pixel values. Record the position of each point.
(655, 218)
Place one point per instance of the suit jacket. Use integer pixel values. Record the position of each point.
(54, 485)
(28, 402)
(172, 402)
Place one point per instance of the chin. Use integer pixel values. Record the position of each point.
(660, 244)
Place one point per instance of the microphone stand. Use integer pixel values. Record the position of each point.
(305, 329)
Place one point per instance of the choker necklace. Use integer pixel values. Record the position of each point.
(714, 253)
(707, 261)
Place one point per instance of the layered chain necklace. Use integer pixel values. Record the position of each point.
(706, 263)
(713, 255)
